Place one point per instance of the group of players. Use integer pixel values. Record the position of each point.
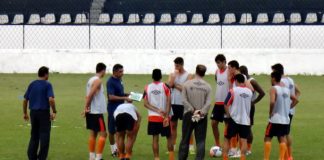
(184, 97)
(236, 96)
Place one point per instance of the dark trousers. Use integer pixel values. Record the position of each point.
(200, 135)
(40, 134)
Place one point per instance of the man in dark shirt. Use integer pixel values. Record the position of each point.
(40, 97)
(116, 96)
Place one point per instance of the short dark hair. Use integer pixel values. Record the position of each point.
(244, 70)
(43, 71)
(100, 67)
(220, 57)
(278, 67)
(179, 60)
(234, 64)
(276, 75)
(239, 78)
(156, 75)
(117, 67)
(201, 70)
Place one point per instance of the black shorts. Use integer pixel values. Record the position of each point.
(232, 129)
(95, 122)
(218, 113)
(252, 111)
(290, 117)
(177, 112)
(124, 122)
(276, 130)
(156, 128)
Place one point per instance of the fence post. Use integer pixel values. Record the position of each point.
(89, 25)
(289, 36)
(221, 37)
(23, 36)
(154, 36)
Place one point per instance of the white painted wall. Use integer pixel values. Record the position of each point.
(65, 48)
(296, 61)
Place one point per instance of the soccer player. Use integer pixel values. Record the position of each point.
(94, 109)
(157, 100)
(222, 88)
(116, 97)
(258, 94)
(196, 95)
(234, 69)
(294, 90)
(128, 122)
(281, 101)
(238, 106)
(176, 80)
(40, 98)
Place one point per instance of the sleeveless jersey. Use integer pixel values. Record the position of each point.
(280, 113)
(98, 102)
(176, 97)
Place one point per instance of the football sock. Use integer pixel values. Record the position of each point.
(171, 155)
(101, 144)
(92, 144)
(282, 151)
(92, 156)
(267, 149)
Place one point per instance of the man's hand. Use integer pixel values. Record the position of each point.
(53, 116)
(162, 113)
(166, 122)
(26, 117)
(86, 110)
(128, 100)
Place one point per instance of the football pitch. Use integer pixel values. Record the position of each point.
(69, 136)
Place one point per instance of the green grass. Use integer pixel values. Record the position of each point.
(69, 139)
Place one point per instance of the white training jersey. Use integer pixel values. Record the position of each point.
(280, 112)
(156, 94)
(289, 83)
(222, 86)
(126, 108)
(98, 102)
(176, 97)
(240, 105)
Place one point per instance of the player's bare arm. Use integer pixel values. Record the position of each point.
(297, 91)
(273, 97)
(118, 98)
(25, 104)
(259, 90)
(171, 80)
(294, 101)
(168, 109)
(52, 104)
(94, 89)
(153, 108)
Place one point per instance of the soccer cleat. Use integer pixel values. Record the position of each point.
(237, 154)
(248, 153)
(232, 152)
(114, 154)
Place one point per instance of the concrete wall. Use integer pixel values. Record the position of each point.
(65, 49)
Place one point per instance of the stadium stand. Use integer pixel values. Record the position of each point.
(161, 11)
(27, 8)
